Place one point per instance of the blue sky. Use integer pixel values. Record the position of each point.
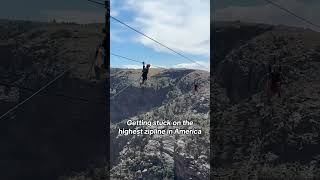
(181, 24)
(167, 22)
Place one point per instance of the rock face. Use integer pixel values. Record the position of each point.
(253, 136)
(237, 34)
(258, 137)
(61, 129)
(167, 156)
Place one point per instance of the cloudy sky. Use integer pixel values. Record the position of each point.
(183, 25)
(180, 24)
(262, 12)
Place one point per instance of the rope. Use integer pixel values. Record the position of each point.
(41, 89)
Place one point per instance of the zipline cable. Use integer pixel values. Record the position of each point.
(54, 94)
(96, 2)
(129, 86)
(123, 57)
(43, 87)
(269, 1)
(293, 14)
(158, 42)
(149, 37)
(124, 89)
(34, 94)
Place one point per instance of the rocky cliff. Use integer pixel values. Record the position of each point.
(260, 137)
(168, 95)
(61, 129)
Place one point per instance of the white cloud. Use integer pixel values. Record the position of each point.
(114, 13)
(132, 66)
(202, 65)
(115, 36)
(270, 14)
(196, 65)
(157, 67)
(183, 25)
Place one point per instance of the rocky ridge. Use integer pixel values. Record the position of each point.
(255, 137)
(166, 156)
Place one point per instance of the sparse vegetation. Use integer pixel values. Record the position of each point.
(164, 156)
(260, 138)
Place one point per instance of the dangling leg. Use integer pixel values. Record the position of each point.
(279, 91)
(144, 78)
(97, 72)
(269, 92)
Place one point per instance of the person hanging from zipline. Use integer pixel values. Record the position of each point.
(145, 71)
(196, 83)
(196, 87)
(98, 65)
(275, 80)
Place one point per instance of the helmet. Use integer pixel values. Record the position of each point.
(148, 65)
